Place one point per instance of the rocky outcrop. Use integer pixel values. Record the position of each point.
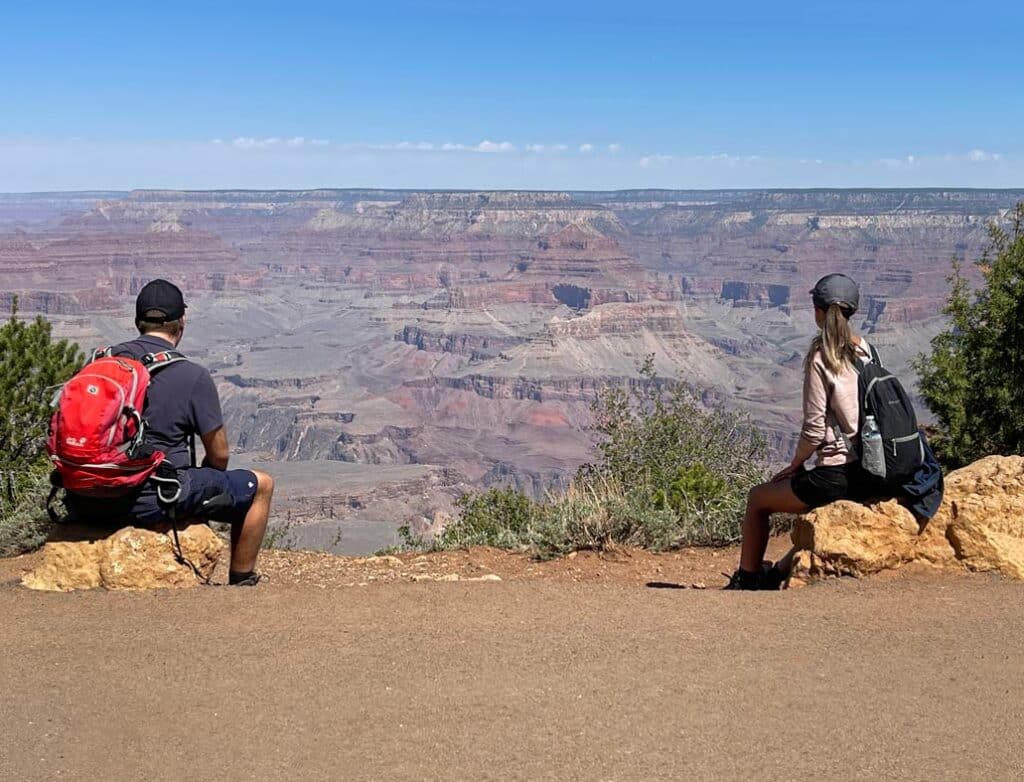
(475, 346)
(130, 558)
(980, 526)
(744, 294)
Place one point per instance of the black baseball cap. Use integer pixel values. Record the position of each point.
(159, 301)
(836, 289)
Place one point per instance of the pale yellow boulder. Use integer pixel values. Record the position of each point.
(65, 567)
(130, 558)
(984, 515)
(980, 525)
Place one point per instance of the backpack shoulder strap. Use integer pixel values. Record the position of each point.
(104, 352)
(859, 363)
(874, 354)
(157, 361)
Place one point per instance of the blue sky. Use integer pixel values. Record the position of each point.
(524, 94)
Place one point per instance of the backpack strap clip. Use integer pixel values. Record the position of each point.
(168, 492)
(168, 487)
(164, 358)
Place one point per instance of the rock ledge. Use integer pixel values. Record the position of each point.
(130, 558)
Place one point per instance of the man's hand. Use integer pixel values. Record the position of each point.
(215, 444)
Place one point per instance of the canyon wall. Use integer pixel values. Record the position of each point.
(466, 334)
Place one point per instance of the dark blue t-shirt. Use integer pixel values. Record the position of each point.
(182, 401)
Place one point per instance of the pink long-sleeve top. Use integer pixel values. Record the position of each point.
(831, 400)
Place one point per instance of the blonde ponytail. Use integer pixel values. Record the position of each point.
(837, 342)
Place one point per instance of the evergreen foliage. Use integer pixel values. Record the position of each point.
(32, 367)
(973, 379)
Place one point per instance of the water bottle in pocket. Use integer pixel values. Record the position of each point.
(872, 456)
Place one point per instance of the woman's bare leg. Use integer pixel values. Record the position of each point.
(762, 501)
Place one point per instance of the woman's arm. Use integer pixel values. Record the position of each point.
(812, 432)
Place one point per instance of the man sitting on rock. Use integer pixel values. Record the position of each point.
(182, 402)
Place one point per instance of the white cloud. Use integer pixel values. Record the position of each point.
(614, 148)
(541, 148)
(981, 156)
(296, 142)
(899, 163)
(319, 142)
(217, 141)
(495, 146)
(248, 142)
(724, 157)
(586, 148)
(647, 161)
(417, 146)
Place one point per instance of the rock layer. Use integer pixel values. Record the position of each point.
(130, 558)
(980, 525)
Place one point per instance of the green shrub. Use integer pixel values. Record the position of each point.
(26, 525)
(504, 518)
(32, 367)
(672, 472)
(583, 519)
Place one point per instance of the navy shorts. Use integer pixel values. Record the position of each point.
(823, 485)
(206, 493)
(217, 495)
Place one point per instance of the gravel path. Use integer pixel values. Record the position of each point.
(913, 677)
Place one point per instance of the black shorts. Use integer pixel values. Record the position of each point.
(823, 485)
(206, 493)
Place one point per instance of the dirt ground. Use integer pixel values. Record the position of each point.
(575, 669)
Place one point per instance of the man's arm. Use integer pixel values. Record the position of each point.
(208, 421)
(215, 444)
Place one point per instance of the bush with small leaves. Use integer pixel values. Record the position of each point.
(973, 379)
(32, 368)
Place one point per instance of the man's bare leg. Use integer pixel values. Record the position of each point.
(247, 537)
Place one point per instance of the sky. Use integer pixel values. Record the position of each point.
(545, 95)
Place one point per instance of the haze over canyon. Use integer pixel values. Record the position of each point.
(387, 350)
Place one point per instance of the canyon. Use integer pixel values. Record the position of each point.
(383, 351)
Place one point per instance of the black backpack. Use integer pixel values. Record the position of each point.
(898, 452)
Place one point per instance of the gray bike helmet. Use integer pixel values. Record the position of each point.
(836, 289)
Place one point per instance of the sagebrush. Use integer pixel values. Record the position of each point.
(672, 471)
(25, 525)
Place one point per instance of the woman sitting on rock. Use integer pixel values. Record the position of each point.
(829, 404)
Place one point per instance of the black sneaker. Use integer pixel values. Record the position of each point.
(767, 578)
(744, 580)
(771, 577)
(249, 580)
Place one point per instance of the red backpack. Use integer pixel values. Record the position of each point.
(97, 439)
